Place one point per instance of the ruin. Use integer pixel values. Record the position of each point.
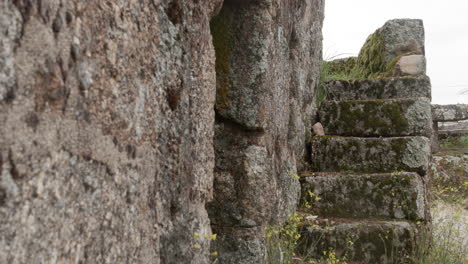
(170, 131)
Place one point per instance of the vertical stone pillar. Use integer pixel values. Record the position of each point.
(268, 55)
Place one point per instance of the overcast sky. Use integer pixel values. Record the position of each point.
(349, 22)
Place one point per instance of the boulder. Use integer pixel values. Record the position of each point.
(396, 38)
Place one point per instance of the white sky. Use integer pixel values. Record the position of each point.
(349, 22)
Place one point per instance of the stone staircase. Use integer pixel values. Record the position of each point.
(367, 186)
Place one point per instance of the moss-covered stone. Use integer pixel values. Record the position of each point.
(364, 241)
(390, 195)
(340, 69)
(384, 88)
(371, 59)
(381, 51)
(370, 155)
(398, 117)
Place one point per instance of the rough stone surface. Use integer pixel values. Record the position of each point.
(268, 59)
(106, 135)
(391, 117)
(410, 65)
(239, 245)
(402, 36)
(444, 113)
(10, 31)
(453, 126)
(318, 130)
(396, 38)
(353, 154)
(389, 195)
(386, 88)
(370, 241)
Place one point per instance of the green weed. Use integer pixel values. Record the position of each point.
(455, 142)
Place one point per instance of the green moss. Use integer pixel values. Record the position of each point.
(370, 61)
(341, 69)
(370, 64)
(460, 141)
(378, 117)
(395, 112)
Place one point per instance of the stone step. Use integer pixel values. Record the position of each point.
(393, 117)
(369, 155)
(364, 240)
(384, 88)
(384, 195)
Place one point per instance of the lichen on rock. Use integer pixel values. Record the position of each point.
(382, 50)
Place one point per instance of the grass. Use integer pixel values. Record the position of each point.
(282, 240)
(330, 71)
(448, 243)
(455, 142)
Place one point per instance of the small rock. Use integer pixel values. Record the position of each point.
(411, 65)
(317, 129)
(311, 217)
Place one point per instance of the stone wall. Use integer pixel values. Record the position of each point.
(107, 126)
(106, 113)
(268, 59)
(445, 113)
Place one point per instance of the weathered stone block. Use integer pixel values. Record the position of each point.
(368, 241)
(353, 154)
(399, 117)
(384, 88)
(390, 195)
(455, 112)
(239, 245)
(395, 38)
(264, 104)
